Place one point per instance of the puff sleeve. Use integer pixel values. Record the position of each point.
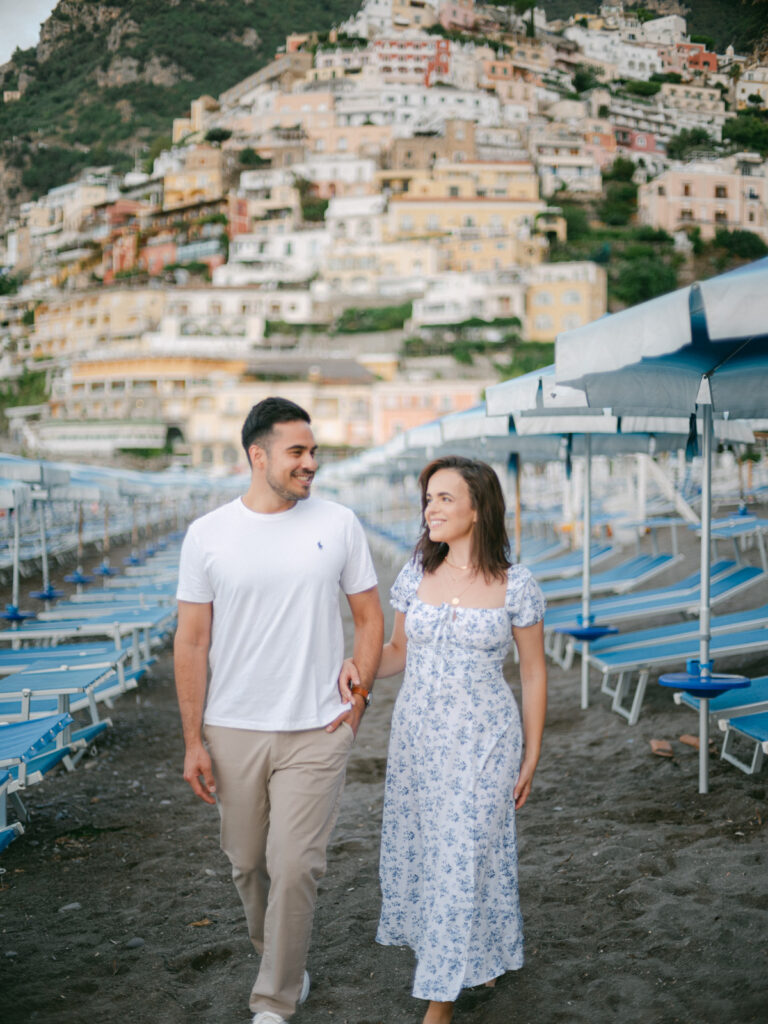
(405, 586)
(524, 602)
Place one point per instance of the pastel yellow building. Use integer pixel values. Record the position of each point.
(200, 111)
(561, 296)
(92, 320)
(201, 178)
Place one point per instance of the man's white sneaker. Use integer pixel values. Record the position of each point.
(267, 1017)
(304, 989)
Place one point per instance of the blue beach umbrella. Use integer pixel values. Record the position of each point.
(541, 406)
(705, 348)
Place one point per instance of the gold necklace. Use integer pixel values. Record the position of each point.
(454, 566)
(457, 598)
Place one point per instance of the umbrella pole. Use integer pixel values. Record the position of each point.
(705, 669)
(43, 545)
(587, 568)
(16, 556)
(518, 515)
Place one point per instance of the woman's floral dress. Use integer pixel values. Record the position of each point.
(449, 851)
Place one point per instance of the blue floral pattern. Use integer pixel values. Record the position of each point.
(448, 864)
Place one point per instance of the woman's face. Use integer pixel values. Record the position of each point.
(448, 512)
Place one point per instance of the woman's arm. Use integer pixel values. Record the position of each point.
(393, 655)
(533, 677)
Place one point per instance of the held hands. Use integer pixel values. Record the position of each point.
(348, 677)
(198, 772)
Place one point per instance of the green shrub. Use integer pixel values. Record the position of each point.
(383, 318)
(639, 280)
(745, 244)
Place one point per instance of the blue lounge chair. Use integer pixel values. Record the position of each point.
(10, 832)
(618, 580)
(749, 619)
(24, 757)
(649, 604)
(641, 660)
(732, 703)
(570, 564)
(753, 729)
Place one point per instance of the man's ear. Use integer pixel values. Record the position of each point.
(257, 455)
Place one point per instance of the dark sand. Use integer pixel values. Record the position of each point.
(644, 902)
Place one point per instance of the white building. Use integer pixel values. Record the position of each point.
(292, 257)
(666, 31)
(631, 60)
(415, 108)
(452, 298)
(753, 82)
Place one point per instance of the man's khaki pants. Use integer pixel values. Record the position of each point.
(278, 795)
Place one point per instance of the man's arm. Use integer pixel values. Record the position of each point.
(366, 652)
(190, 661)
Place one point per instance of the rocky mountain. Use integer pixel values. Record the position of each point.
(107, 77)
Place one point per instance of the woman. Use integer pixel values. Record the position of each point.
(458, 767)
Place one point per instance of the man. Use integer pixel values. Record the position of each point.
(258, 590)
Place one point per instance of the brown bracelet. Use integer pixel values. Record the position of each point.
(361, 692)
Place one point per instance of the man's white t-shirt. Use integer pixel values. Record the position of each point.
(277, 642)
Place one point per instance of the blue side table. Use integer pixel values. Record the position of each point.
(79, 578)
(49, 593)
(13, 613)
(710, 686)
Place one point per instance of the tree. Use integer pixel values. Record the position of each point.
(745, 244)
(747, 132)
(248, 157)
(687, 140)
(620, 203)
(622, 169)
(217, 135)
(584, 78)
(643, 279)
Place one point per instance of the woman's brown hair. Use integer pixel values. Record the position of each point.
(490, 544)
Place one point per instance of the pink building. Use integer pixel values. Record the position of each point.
(729, 193)
(457, 14)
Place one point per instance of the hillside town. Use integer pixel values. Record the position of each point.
(370, 217)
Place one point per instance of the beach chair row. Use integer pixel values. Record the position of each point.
(74, 660)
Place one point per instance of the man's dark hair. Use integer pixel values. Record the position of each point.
(265, 414)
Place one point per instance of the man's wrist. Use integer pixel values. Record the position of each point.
(360, 691)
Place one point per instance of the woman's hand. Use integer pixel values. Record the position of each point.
(524, 783)
(348, 677)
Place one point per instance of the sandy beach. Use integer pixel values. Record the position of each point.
(644, 902)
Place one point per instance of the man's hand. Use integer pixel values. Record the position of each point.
(352, 716)
(198, 772)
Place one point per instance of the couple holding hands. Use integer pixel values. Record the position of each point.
(266, 740)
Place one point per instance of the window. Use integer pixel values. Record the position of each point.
(721, 192)
(661, 190)
(686, 189)
(543, 299)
